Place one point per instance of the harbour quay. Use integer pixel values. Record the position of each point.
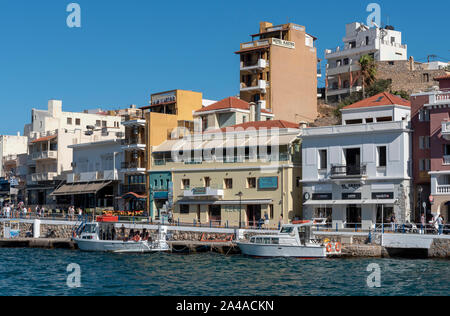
(190, 240)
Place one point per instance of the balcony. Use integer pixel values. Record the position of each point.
(44, 155)
(331, 92)
(134, 143)
(48, 176)
(133, 167)
(211, 192)
(348, 172)
(259, 85)
(343, 69)
(439, 97)
(259, 65)
(93, 176)
(443, 189)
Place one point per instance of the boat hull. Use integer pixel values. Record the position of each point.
(118, 246)
(264, 250)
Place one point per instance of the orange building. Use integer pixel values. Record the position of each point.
(278, 70)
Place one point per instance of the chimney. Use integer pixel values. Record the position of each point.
(258, 111)
(252, 109)
(411, 64)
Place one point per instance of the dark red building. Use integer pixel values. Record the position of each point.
(430, 120)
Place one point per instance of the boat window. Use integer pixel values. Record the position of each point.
(267, 241)
(286, 230)
(253, 240)
(90, 229)
(259, 240)
(275, 241)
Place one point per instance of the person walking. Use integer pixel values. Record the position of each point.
(440, 223)
(422, 224)
(393, 223)
(266, 220)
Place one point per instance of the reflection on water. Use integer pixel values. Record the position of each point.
(43, 272)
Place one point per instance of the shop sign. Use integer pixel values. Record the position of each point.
(322, 196)
(351, 196)
(382, 195)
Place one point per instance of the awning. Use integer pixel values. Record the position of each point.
(80, 188)
(133, 196)
(44, 139)
(222, 202)
(345, 202)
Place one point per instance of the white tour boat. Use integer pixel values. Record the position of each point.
(293, 240)
(89, 240)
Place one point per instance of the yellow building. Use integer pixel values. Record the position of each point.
(227, 178)
(168, 115)
(278, 69)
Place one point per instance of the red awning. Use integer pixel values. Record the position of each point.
(132, 195)
(44, 139)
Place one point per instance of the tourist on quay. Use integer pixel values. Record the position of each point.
(24, 211)
(280, 222)
(266, 220)
(80, 214)
(170, 216)
(42, 211)
(440, 224)
(7, 211)
(393, 223)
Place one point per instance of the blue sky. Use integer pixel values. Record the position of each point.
(126, 50)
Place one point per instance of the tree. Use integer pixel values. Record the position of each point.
(368, 71)
(378, 86)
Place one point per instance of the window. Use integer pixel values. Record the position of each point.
(346, 61)
(207, 182)
(391, 63)
(251, 183)
(228, 183)
(185, 184)
(426, 78)
(104, 123)
(424, 164)
(369, 120)
(184, 209)
(447, 150)
(384, 119)
(381, 156)
(350, 122)
(271, 215)
(424, 142)
(424, 115)
(323, 159)
(367, 40)
(69, 121)
(77, 121)
(97, 123)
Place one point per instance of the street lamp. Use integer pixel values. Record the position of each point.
(240, 194)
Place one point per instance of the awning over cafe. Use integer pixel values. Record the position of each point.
(345, 202)
(80, 188)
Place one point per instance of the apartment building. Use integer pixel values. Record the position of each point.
(359, 174)
(95, 179)
(343, 69)
(278, 70)
(13, 156)
(231, 177)
(50, 135)
(431, 149)
(169, 115)
(229, 112)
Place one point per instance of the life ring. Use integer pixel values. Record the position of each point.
(338, 247)
(329, 247)
(137, 238)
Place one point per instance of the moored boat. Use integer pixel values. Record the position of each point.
(90, 239)
(293, 240)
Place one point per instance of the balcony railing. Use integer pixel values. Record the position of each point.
(254, 85)
(443, 189)
(51, 154)
(234, 159)
(445, 130)
(133, 165)
(133, 141)
(350, 171)
(252, 65)
(48, 176)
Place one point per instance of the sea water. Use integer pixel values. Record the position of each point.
(44, 272)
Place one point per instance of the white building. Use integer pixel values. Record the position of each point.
(354, 172)
(50, 135)
(383, 44)
(10, 147)
(96, 177)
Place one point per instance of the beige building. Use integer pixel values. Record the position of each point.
(278, 70)
(224, 179)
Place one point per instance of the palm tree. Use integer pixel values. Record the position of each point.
(368, 71)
